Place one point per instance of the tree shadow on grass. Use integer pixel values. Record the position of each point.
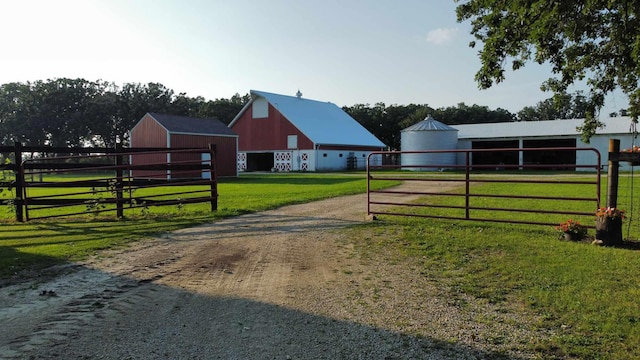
(16, 264)
(92, 314)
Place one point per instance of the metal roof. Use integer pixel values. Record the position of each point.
(322, 122)
(430, 124)
(191, 125)
(615, 125)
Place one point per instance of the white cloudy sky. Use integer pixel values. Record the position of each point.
(344, 51)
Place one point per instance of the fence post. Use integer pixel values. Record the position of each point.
(613, 174)
(213, 178)
(19, 200)
(467, 188)
(119, 185)
(609, 230)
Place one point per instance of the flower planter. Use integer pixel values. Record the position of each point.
(572, 236)
(572, 230)
(609, 230)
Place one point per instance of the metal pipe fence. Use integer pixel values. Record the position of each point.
(487, 192)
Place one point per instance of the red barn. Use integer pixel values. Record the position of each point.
(176, 132)
(290, 133)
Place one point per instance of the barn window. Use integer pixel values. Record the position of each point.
(292, 141)
(260, 108)
(340, 155)
(324, 155)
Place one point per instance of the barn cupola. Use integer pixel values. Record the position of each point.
(298, 94)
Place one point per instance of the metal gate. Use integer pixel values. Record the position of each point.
(468, 201)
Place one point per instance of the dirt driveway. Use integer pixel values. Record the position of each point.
(281, 284)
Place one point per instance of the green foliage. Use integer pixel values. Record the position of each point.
(95, 205)
(594, 40)
(562, 106)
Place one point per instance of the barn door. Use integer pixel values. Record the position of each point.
(282, 160)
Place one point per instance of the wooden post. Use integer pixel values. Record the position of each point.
(19, 200)
(613, 174)
(213, 181)
(609, 230)
(119, 185)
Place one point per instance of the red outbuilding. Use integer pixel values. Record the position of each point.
(183, 132)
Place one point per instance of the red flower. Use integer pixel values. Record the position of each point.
(610, 212)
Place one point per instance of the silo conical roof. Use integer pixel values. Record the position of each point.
(430, 124)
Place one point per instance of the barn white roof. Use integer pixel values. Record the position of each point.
(547, 128)
(322, 122)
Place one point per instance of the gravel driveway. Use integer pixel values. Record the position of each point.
(281, 284)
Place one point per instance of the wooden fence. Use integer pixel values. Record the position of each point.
(48, 182)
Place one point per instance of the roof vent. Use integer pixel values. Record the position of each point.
(298, 94)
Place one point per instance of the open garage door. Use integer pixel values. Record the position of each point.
(260, 161)
(549, 157)
(495, 157)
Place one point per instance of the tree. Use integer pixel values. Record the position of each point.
(420, 114)
(134, 101)
(594, 40)
(103, 108)
(564, 106)
(382, 121)
(474, 114)
(186, 106)
(223, 109)
(17, 106)
(65, 111)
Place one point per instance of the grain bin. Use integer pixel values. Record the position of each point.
(428, 134)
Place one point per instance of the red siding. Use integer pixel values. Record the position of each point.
(225, 150)
(267, 134)
(148, 133)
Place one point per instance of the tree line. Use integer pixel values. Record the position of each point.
(77, 112)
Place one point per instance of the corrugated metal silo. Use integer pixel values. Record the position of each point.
(429, 134)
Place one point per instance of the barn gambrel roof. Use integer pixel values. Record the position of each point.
(322, 122)
(192, 126)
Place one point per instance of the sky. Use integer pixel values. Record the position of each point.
(344, 51)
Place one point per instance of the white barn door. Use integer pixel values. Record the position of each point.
(282, 160)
